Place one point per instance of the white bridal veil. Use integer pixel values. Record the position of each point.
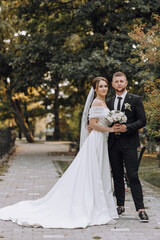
(84, 131)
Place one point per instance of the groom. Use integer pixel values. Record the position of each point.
(123, 147)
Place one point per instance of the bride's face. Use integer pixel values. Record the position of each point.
(102, 88)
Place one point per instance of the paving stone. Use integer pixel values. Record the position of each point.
(32, 174)
(53, 236)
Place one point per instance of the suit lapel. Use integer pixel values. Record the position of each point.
(112, 103)
(126, 100)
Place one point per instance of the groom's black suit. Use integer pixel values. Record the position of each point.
(123, 147)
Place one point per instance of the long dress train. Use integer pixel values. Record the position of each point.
(82, 196)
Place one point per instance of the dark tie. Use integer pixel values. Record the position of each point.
(119, 103)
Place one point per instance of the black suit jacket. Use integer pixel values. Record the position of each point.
(136, 119)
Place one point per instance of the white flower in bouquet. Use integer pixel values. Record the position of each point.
(109, 119)
(116, 117)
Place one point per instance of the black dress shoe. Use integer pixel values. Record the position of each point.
(120, 210)
(143, 216)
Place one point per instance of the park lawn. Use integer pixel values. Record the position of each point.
(149, 170)
(64, 165)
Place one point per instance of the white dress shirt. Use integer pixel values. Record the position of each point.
(122, 100)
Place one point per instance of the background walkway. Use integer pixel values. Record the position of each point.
(32, 173)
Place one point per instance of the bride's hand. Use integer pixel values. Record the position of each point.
(119, 128)
(112, 129)
(115, 128)
(89, 129)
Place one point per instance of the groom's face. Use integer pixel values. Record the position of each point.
(119, 83)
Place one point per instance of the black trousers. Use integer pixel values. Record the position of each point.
(118, 155)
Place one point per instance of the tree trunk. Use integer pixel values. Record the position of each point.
(19, 118)
(20, 134)
(56, 114)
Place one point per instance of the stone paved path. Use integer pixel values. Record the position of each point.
(31, 175)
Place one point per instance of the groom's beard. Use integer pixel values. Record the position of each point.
(120, 90)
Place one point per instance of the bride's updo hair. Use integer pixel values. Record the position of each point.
(96, 81)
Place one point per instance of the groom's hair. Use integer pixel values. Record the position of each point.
(119, 74)
(96, 80)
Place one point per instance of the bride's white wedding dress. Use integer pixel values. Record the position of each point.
(82, 196)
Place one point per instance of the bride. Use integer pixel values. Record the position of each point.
(82, 196)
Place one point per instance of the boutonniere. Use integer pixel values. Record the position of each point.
(127, 106)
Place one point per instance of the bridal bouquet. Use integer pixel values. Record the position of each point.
(115, 116)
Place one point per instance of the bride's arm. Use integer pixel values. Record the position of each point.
(93, 123)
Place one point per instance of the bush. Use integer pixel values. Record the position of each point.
(7, 140)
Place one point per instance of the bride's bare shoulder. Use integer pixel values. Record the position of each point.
(97, 103)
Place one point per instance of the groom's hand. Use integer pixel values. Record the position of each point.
(120, 127)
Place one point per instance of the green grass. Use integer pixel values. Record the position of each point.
(64, 165)
(3, 168)
(149, 170)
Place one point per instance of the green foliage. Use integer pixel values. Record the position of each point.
(148, 49)
(105, 26)
(149, 170)
(46, 43)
